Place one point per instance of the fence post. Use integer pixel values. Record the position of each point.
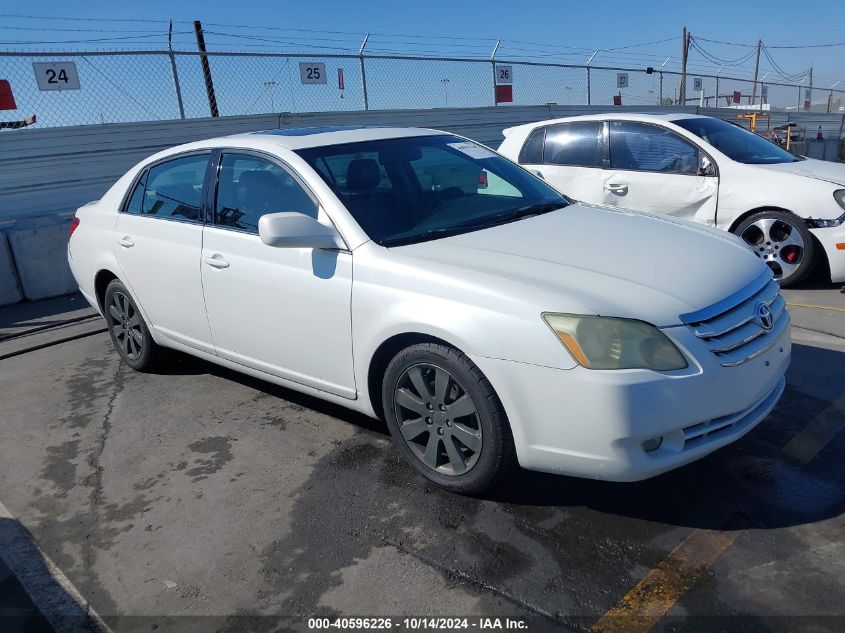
(589, 95)
(660, 99)
(364, 72)
(176, 83)
(176, 72)
(493, 66)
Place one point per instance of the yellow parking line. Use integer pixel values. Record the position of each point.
(657, 593)
(811, 305)
(653, 596)
(809, 442)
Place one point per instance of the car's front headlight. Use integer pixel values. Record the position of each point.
(816, 223)
(610, 343)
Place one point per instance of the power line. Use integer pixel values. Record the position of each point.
(44, 17)
(704, 39)
(91, 41)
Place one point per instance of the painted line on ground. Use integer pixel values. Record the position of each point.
(655, 595)
(660, 590)
(49, 589)
(817, 307)
(810, 441)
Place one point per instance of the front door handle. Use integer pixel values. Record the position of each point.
(216, 261)
(617, 188)
(126, 241)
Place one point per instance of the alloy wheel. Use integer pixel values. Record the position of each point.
(125, 324)
(438, 419)
(778, 243)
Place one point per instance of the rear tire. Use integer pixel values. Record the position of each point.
(446, 419)
(129, 333)
(783, 241)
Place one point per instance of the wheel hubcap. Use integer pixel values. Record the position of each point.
(438, 419)
(776, 242)
(125, 324)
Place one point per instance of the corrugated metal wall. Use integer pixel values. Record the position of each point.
(56, 170)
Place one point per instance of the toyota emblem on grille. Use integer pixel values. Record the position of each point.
(764, 316)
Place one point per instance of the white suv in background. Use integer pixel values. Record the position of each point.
(697, 168)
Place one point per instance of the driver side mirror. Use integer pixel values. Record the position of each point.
(706, 167)
(297, 230)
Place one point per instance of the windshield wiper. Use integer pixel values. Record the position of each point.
(534, 209)
(511, 216)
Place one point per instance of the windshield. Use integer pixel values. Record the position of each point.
(736, 142)
(413, 189)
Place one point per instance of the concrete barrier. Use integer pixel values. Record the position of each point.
(10, 291)
(39, 247)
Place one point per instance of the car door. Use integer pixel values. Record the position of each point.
(653, 169)
(569, 157)
(158, 241)
(283, 311)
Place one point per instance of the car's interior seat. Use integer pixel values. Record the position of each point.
(374, 209)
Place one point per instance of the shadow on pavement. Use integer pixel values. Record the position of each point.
(32, 599)
(748, 484)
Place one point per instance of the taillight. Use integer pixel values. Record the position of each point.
(482, 180)
(73, 224)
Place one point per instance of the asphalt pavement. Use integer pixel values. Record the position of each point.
(199, 499)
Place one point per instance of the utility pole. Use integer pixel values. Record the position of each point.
(206, 69)
(811, 90)
(756, 72)
(685, 39)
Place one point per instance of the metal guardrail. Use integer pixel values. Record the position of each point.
(131, 86)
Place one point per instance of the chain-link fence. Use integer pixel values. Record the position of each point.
(80, 88)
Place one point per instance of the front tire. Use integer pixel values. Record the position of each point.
(446, 419)
(783, 241)
(129, 333)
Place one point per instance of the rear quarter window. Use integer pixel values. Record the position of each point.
(532, 150)
(136, 199)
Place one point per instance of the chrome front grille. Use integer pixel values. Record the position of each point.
(734, 328)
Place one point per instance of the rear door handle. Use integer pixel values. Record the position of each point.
(216, 261)
(125, 241)
(617, 188)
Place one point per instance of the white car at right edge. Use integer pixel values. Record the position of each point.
(789, 210)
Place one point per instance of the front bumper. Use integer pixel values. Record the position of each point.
(592, 423)
(829, 238)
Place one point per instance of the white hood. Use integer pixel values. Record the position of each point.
(812, 168)
(610, 261)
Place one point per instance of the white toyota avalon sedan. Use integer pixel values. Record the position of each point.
(420, 277)
(789, 210)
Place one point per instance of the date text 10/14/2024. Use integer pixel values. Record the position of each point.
(418, 623)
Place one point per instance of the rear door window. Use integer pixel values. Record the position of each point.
(578, 144)
(174, 189)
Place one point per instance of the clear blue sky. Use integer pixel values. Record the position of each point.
(581, 25)
(630, 35)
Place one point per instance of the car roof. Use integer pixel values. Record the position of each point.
(304, 137)
(616, 116)
(293, 139)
